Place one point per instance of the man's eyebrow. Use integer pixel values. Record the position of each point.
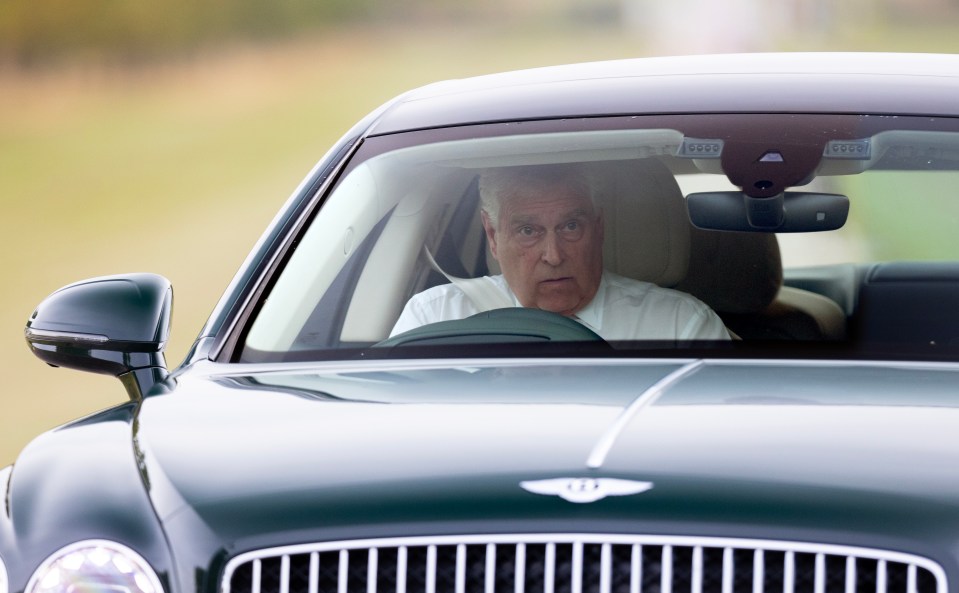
(580, 212)
(535, 219)
(532, 218)
(577, 214)
(522, 219)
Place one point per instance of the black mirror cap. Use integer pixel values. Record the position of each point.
(111, 324)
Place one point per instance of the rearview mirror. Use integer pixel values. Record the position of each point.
(116, 325)
(789, 212)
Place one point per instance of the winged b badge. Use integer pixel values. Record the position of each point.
(583, 490)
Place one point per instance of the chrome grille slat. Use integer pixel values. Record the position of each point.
(789, 573)
(759, 571)
(851, 574)
(519, 580)
(372, 569)
(729, 571)
(402, 556)
(490, 575)
(820, 577)
(549, 569)
(881, 577)
(697, 570)
(636, 568)
(314, 573)
(285, 574)
(343, 581)
(666, 571)
(461, 568)
(257, 575)
(606, 569)
(578, 563)
(576, 585)
(431, 569)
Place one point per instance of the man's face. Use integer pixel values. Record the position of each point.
(549, 244)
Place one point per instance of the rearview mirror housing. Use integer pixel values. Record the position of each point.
(115, 325)
(788, 212)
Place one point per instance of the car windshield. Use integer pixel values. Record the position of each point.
(829, 235)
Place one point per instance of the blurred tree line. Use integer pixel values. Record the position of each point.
(117, 32)
(35, 32)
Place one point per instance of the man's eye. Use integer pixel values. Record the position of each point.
(572, 230)
(526, 231)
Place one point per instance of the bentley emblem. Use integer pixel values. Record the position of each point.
(582, 490)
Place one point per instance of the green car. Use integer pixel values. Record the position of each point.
(667, 325)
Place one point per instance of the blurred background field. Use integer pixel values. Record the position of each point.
(163, 137)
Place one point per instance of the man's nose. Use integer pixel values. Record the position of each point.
(552, 249)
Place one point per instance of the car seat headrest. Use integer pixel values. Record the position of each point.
(733, 272)
(647, 228)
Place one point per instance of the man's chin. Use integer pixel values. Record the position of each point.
(566, 308)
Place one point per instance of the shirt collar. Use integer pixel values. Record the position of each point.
(592, 313)
(509, 291)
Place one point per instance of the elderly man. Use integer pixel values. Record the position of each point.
(547, 236)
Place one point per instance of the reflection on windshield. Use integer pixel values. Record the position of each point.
(521, 384)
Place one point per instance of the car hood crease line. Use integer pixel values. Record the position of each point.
(604, 445)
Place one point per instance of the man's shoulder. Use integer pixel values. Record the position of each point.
(622, 287)
(436, 293)
(445, 292)
(618, 282)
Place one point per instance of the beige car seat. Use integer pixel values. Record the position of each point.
(740, 276)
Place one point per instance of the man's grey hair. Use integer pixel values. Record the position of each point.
(499, 184)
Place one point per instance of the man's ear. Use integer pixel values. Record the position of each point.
(490, 233)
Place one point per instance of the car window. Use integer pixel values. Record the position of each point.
(405, 218)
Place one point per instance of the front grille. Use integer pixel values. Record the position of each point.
(578, 564)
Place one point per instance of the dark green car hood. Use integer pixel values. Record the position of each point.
(270, 455)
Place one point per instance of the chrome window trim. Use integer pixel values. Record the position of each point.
(216, 369)
(578, 540)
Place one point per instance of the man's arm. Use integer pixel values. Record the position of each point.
(440, 303)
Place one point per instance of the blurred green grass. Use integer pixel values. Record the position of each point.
(920, 228)
(177, 168)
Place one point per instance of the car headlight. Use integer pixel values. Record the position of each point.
(94, 567)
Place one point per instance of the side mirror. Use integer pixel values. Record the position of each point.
(115, 325)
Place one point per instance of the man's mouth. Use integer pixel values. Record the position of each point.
(550, 281)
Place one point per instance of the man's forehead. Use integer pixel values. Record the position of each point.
(534, 214)
(547, 202)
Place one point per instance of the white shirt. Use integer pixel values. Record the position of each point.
(623, 309)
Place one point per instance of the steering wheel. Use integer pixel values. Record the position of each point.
(509, 325)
